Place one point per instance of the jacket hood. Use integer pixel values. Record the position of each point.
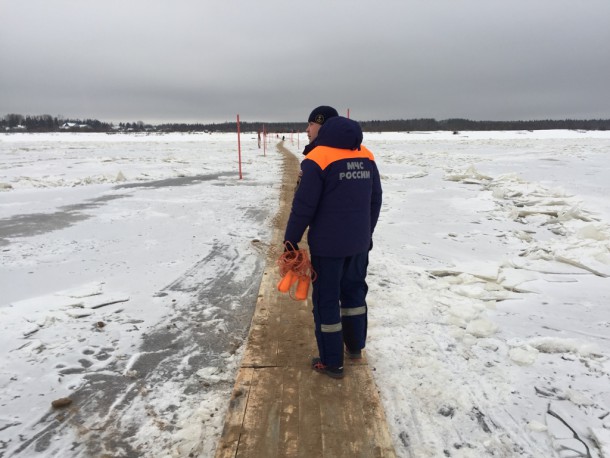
(340, 132)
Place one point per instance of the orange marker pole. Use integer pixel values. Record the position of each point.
(239, 146)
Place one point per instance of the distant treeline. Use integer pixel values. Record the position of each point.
(466, 124)
(402, 125)
(48, 123)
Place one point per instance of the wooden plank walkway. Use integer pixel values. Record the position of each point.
(280, 407)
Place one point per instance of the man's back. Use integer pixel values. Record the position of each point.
(339, 195)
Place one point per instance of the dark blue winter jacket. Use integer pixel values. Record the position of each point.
(339, 193)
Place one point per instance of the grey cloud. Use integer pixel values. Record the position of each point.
(274, 60)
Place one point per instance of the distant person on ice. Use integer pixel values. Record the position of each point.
(339, 198)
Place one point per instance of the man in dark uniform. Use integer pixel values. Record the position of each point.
(339, 199)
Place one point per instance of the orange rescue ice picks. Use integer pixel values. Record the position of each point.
(295, 268)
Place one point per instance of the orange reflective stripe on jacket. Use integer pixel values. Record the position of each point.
(325, 155)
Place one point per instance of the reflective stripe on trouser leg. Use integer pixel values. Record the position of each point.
(353, 301)
(326, 309)
(354, 321)
(353, 311)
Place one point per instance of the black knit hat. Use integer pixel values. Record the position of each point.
(321, 114)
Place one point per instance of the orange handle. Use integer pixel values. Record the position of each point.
(287, 281)
(302, 288)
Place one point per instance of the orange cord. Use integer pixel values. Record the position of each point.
(295, 263)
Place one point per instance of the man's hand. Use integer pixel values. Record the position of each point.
(289, 246)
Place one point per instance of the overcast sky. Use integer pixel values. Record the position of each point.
(274, 60)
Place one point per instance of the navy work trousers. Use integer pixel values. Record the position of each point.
(339, 305)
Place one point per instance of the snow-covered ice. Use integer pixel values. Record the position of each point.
(130, 262)
(134, 261)
(490, 325)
